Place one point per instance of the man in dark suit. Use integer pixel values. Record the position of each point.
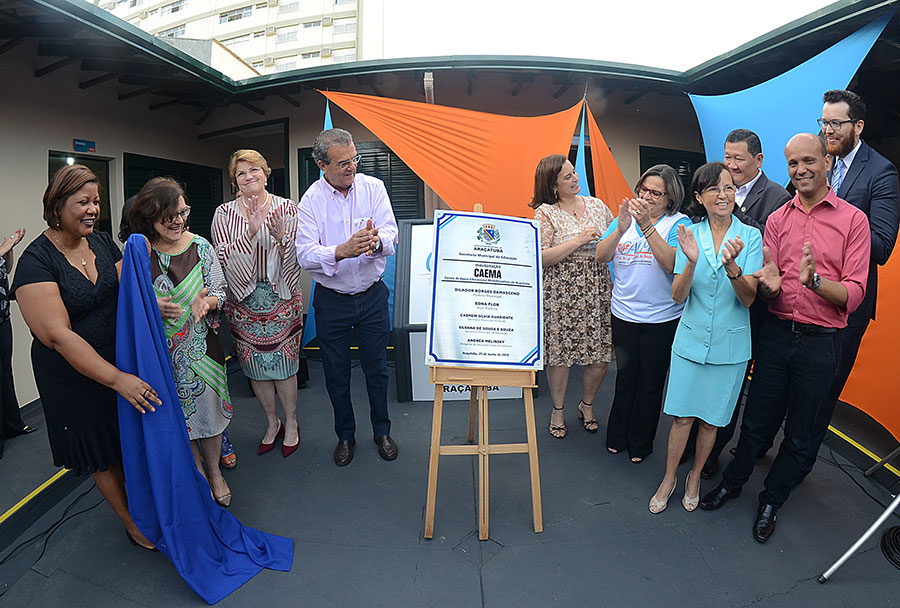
(756, 198)
(867, 180)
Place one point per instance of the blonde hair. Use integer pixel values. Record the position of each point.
(251, 156)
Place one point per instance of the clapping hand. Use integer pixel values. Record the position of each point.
(807, 265)
(375, 243)
(731, 250)
(199, 307)
(624, 217)
(688, 243)
(769, 276)
(167, 308)
(11, 241)
(256, 213)
(275, 222)
(640, 210)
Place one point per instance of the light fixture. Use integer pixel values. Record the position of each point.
(70, 160)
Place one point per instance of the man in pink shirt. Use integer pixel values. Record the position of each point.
(345, 231)
(816, 251)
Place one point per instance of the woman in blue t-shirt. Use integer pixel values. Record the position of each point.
(640, 243)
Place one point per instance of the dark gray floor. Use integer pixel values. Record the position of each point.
(359, 541)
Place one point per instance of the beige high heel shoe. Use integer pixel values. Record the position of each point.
(658, 506)
(690, 503)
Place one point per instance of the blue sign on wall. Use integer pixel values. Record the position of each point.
(84, 145)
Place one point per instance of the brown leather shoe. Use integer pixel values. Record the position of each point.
(343, 452)
(387, 447)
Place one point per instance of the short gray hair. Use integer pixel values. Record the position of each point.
(327, 139)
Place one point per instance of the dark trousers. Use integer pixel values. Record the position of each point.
(643, 351)
(10, 416)
(367, 313)
(851, 337)
(792, 378)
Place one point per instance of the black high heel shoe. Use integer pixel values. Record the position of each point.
(137, 544)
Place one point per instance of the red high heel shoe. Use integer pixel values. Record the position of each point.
(287, 450)
(267, 447)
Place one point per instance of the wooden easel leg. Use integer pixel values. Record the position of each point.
(533, 462)
(433, 459)
(473, 394)
(484, 485)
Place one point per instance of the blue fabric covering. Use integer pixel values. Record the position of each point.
(788, 104)
(168, 498)
(580, 167)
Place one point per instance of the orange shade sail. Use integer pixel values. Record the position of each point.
(609, 183)
(466, 157)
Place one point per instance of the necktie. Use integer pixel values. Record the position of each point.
(838, 175)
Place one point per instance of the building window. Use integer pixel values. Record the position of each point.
(135, 3)
(287, 34)
(312, 24)
(236, 41)
(286, 63)
(172, 32)
(293, 7)
(344, 26)
(344, 1)
(236, 14)
(154, 12)
(173, 7)
(258, 34)
(343, 56)
(311, 55)
(257, 64)
(261, 6)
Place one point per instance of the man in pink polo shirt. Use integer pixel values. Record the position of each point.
(816, 251)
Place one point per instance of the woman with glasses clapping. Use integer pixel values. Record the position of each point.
(254, 239)
(641, 244)
(189, 285)
(714, 267)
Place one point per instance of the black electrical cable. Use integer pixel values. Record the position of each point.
(890, 545)
(53, 527)
(834, 462)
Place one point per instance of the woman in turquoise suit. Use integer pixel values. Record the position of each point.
(714, 267)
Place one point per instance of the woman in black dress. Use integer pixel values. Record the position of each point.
(67, 288)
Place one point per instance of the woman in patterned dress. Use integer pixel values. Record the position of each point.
(253, 236)
(577, 289)
(189, 285)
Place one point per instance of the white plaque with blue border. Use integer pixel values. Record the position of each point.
(486, 295)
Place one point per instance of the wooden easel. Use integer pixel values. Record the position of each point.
(480, 379)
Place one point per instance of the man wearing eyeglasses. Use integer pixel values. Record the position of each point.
(867, 180)
(816, 253)
(345, 231)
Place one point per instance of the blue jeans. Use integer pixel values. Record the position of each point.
(792, 377)
(367, 313)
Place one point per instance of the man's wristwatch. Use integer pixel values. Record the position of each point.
(737, 275)
(285, 241)
(816, 281)
(377, 247)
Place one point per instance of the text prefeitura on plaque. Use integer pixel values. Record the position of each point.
(486, 299)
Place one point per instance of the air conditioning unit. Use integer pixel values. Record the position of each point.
(270, 30)
(326, 21)
(327, 51)
(269, 61)
(273, 2)
(142, 14)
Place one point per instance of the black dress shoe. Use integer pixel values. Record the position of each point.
(718, 497)
(759, 455)
(343, 453)
(387, 447)
(765, 523)
(710, 468)
(25, 430)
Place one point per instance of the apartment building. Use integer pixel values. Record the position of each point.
(270, 35)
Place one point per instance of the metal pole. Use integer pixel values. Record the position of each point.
(882, 462)
(872, 529)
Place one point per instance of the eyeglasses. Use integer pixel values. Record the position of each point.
(727, 190)
(654, 194)
(834, 125)
(183, 214)
(343, 164)
(250, 171)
